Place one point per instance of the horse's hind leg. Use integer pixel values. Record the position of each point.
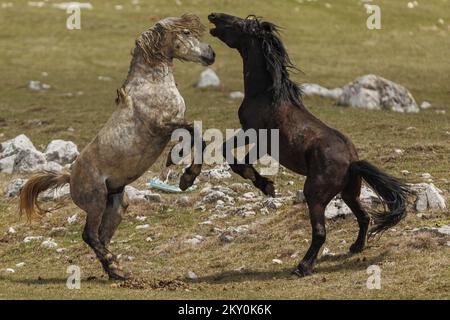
(89, 192)
(350, 195)
(318, 195)
(112, 216)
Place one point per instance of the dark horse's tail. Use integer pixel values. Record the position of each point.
(391, 190)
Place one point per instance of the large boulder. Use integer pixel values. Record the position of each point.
(28, 161)
(208, 78)
(15, 145)
(13, 189)
(7, 164)
(61, 151)
(374, 92)
(428, 197)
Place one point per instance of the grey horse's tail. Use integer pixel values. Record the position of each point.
(38, 183)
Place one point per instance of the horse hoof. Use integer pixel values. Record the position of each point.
(186, 181)
(302, 272)
(268, 189)
(356, 248)
(118, 275)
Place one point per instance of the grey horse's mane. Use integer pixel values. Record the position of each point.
(151, 40)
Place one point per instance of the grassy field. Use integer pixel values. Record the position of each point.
(332, 46)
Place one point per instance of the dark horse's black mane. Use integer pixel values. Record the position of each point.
(277, 60)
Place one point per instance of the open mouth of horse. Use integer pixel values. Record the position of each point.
(212, 19)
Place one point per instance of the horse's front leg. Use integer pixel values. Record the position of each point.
(190, 173)
(246, 169)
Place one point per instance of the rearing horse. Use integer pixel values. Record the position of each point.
(149, 108)
(307, 146)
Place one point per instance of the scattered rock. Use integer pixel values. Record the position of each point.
(191, 275)
(58, 231)
(135, 196)
(194, 241)
(11, 230)
(31, 238)
(29, 161)
(336, 208)
(61, 151)
(15, 145)
(312, 89)
(49, 244)
(20, 264)
(225, 238)
(405, 172)
(425, 105)
(142, 226)
(72, 219)
(272, 203)
(426, 175)
(55, 194)
(374, 92)
(219, 172)
(208, 78)
(14, 188)
(7, 164)
(237, 95)
(52, 166)
(299, 197)
(277, 261)
(10, 270)
(141, 218)
(37, 85)
(428, 197)
(441, 231)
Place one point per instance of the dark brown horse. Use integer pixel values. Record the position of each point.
(307, 146)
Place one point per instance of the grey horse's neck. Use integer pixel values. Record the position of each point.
(159, 72)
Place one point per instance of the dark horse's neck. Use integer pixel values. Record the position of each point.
(262, 83)
(257, 80)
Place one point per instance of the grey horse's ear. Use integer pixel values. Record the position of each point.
(151, 42)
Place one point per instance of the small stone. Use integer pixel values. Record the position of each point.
(20, 264)
(11, 230)
(405, 172)
(31, 238)
(399, 151)
(208, 78)
(277, 261)
(194, 241)
(425, 105)
(142, 226)
(72, 219)
(10, 270)
(141, 218)
(225, 238)
(61, 250)
(236, 95)
(426, 176)
(49, 244)
(148, 239)
(191, 275)
(299, 197)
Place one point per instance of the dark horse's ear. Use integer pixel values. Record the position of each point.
(268, 27)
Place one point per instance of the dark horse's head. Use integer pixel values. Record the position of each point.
(252, 37)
